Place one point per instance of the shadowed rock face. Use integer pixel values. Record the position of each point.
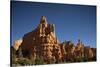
(42, 41)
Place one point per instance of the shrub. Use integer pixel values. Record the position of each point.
(39, 60)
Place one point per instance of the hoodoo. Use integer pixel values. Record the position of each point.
(42, 42)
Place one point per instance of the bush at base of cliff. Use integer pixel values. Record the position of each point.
(39, 61)
(22, 62)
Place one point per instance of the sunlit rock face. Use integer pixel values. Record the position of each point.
(42, 42)
(89, 52)
(17, 43)
(79, 49)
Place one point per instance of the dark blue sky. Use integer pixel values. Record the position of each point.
(71, 21)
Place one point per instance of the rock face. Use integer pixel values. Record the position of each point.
(17, 43)
(79, 49)
(42, 42)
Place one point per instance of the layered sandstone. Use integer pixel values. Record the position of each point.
(42, 42)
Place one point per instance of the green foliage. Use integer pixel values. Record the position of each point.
(24, 61)
(39, 60)
(78, 59)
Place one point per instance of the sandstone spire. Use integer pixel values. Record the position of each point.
(43, 20)
(43, 25)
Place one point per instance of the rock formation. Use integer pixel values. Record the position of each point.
(17, 43)
(42, 42)
(79, 49)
